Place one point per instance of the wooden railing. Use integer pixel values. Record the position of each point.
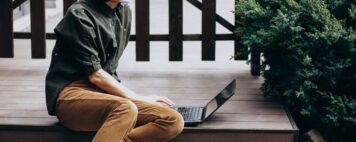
(143, 37)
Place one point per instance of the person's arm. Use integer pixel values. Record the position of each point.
(106, 82)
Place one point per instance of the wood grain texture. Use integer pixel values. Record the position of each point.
(248, 115)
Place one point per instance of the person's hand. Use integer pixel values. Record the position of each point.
(157, 100)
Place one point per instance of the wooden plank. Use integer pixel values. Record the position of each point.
(208, 29)
(17, 74)
(240, 117)
(69, 136)
(230, 107)
(142, 30)
(50, 121)
(163, 83)
(45, 121)
(43, 135)
(38, 29)
(192, 96)
(23, 107)
(240, 96)
(245, 125)
(23, 114)
(67, 4)
(232, 137)
(175, 30)
(6, 28)
(141, 89)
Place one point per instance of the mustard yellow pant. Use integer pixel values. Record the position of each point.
(82, 107)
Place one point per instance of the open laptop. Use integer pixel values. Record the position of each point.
(194, 115)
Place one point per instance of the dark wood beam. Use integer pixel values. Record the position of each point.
(142, 30)
(208, 29)
(175, 30)
(6, 29)
(38, 29)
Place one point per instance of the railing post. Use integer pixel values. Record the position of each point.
(38, 29)
(142, 30)
(6, 29)
(67, 4)
(209, 29)
(175, 30)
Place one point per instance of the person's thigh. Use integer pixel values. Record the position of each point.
(83, 109)
(148, 112)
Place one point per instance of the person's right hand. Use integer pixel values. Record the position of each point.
(157, 100)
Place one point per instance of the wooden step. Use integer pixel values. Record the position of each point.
(246, 117)
(251, 118)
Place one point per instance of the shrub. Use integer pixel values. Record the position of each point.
(309, 50)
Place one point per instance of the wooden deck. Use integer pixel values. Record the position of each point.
(246, 117)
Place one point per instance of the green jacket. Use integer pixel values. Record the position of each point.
(91, 36)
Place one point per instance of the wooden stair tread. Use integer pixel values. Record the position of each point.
(248, 116)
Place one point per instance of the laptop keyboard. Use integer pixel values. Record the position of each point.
(190, 113)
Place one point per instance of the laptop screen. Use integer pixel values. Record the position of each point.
(220, 99)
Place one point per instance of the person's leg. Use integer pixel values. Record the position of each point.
(84, 109)
(156, 123)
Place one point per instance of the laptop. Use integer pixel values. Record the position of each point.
(194, 115)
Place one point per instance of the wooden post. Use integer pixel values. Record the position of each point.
(38, 29)
(209, 29)
(175, 30)
(67, 4)
(6, 29)
(142, 30)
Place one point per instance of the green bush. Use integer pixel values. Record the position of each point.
(309, 50)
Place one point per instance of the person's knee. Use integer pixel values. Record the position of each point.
(177, 125)
(125, 107)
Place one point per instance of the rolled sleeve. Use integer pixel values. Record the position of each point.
(77, 31)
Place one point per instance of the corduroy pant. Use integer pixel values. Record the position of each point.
(83, 107)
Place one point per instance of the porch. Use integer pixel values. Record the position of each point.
(246, 117)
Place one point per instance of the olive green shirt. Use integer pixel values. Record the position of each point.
(91, 36)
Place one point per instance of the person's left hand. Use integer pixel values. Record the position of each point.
(157, 100)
